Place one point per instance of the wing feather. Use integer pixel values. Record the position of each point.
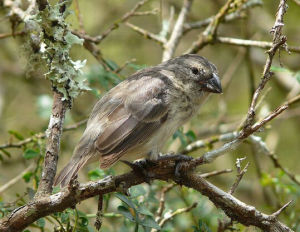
(141, 114)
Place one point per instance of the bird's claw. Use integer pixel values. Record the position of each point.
(140, 167)
(180, 161)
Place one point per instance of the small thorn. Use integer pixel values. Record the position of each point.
(276, 214)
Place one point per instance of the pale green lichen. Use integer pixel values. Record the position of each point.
(55, 42)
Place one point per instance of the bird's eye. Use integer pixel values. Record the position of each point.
(195, 71)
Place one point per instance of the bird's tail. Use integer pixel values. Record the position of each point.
(69, 171)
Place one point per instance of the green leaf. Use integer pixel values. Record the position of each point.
(202, 227)
(111, 64)
(125, 212)
(149, 222)
(180, 135)
(96, 174)
(125, 200)
(83, 221)
(29, 154)
(64, 217)
(142, 209)
(41, 222)
(16, 134)
(191, 135)
(27, 176)
(266, 179)
(136, 191)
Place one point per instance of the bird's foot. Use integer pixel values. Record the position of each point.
(180, 164)
(140, 167)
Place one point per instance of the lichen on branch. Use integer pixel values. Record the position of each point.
(51, 34)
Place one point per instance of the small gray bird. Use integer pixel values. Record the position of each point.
(136, 117)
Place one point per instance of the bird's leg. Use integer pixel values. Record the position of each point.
(140, 167)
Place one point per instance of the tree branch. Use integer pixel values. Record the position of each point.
(176, 34)
(228, 18)
(251, 43)
(53, 133)
(210, 32)
(164, 170)
(39, 136)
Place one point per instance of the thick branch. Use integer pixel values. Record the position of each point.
(164, 170)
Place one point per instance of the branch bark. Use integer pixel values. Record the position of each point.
(53, 133)
(164, 170)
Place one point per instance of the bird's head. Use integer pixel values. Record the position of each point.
(195, 73)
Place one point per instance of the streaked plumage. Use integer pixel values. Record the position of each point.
(135, 118)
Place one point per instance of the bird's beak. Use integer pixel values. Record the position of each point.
(213, 85)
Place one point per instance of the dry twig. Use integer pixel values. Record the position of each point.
(228, 18)
(15, 179)
(240, 173)
(211, 31)
(251, 43)
(40, 135)
(171, 44)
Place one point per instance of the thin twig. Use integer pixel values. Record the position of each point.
(124, 18)
(7, 35)
(210, 32)
(118, 70)
(15, 179)
(176, 34)
(170, 216)
(228, 18)
(31, 139)
(276, 214)
(215, 173)
(161, 206)
(240, 174)
(262, 147)
(144, 13)
(147, 34)
(79, 17)
(278, 41)
(251, 43)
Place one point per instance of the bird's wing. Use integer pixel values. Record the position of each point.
(133, 119)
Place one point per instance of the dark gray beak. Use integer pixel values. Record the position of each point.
(213, 85)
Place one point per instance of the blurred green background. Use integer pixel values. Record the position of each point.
(25, 104)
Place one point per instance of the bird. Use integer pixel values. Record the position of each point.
(136, 117)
